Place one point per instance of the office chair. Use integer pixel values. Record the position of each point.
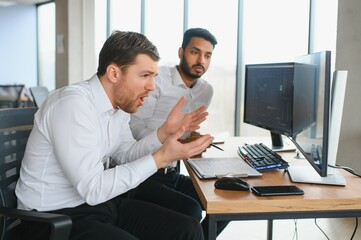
(39, 94)
(15, 128)
(10, 95)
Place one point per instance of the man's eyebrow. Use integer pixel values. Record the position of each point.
(195, 48)
(148, 72)
(199, 50)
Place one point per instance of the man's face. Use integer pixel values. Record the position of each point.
(135, 83)
(196, 57)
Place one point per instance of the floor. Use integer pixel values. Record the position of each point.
(335, 229)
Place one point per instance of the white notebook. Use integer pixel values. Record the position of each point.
(207, 168)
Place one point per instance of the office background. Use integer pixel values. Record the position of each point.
(80, 33)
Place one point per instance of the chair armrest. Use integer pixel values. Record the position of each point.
(60, 224)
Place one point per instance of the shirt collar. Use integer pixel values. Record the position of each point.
(101, 99)
(177, 79)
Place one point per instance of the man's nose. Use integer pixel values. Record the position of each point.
(150, 85)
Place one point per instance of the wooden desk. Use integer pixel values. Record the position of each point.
(321, 201)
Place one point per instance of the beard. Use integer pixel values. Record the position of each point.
(187, 69)
(129, 106)
(124, 100)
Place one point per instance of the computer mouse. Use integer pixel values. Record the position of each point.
(231, 183)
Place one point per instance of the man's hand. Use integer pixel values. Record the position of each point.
(176, 119)
(194, 136)
(173, 150)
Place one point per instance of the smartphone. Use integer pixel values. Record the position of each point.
(277, 190)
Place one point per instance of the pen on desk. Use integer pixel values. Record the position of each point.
(213, 145)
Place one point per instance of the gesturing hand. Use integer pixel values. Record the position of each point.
(173, 150)
(176, 119)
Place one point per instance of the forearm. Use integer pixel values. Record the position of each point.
(139, 128)
(99, 186)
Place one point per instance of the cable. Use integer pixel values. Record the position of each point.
(321, 229)
(354, 231)
(296, 232)
(348, 169)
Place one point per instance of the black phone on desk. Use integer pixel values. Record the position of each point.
(277, 190)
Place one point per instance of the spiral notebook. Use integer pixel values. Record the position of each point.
(208, 168)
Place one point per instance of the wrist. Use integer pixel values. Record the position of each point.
(162, 134)
(159, 158)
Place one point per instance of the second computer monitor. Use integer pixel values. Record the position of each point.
(273, 94)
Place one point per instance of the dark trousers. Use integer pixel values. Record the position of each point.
(125, 219)
(175, 191)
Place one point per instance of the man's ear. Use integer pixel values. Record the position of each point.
(113, 72)
(180, 53)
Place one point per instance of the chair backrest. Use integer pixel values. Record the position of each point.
(39, 94)
(10, 95)
(15, 128)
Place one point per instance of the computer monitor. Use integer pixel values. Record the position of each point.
(270, 98)
(313, 140)
(294, 100)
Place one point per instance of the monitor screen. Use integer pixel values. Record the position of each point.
(312, 138)
(268, 98)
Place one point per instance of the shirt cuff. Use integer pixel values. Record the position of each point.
(146, 165)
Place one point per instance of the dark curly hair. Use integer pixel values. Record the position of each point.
(198, 32)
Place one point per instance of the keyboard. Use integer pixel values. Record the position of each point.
(261, 157)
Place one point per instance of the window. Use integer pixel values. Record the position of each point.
(165, 28)
(125, 15)
(274, 31)
(271, 30)
(222, 22)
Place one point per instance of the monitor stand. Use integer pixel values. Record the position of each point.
(306, 174)
(278, 144)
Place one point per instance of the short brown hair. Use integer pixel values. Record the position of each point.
(122, 48)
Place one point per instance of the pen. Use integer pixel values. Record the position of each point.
(213, 145)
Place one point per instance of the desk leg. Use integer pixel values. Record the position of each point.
(269, 229)
(212, 227)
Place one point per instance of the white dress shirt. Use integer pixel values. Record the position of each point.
(76, 131)
(169, 89)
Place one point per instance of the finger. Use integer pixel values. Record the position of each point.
(179, 133)
(193, 128)
(199, 120)
(179, 104)
(199, 111)
(201, 115)
(200, 144)
(194, 125)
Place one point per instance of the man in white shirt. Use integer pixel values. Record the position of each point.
(172, 83)
(82, 129)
